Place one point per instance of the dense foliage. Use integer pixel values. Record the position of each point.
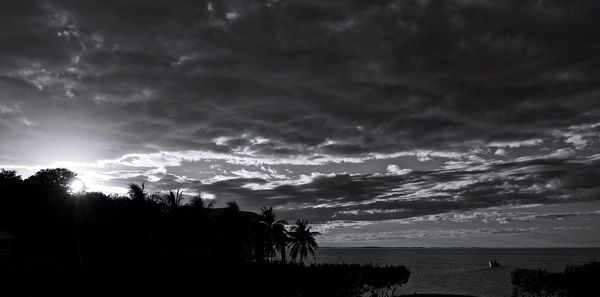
(74, 244)
(574, 281)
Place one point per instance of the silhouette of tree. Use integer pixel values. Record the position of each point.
(233, 206)
(9, 178)
(276, 236)
(118, 243)
(201, 203)
(302, 240)
(235, 233)
(57, 179)
(281, 240)
(9, 184)
(12, 211)
(137, 194)
(174, 199)
(49, 197)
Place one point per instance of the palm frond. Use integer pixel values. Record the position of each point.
(136, 192)
(174, 199)
(302, 240)
(201, 203)
(233, 206)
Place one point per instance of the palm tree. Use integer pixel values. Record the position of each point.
(302, 240)
(276, 233)
(235, 231)
(141, 234)
(281, 239)
(137, 194)
(201, 203)
(174, 199)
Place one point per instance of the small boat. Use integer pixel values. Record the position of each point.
(494, 263)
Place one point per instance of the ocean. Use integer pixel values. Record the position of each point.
(460, 270)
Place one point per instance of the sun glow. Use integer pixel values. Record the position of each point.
(77, 186)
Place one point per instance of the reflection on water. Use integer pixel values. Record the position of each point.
(460, 270)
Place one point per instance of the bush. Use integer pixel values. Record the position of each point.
(576, 280)
(330, 279)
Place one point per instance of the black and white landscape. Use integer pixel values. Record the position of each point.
(406, 123)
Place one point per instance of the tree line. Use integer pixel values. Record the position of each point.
(45, 197)
(146, 244)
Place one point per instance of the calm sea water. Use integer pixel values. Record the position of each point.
(460, 270)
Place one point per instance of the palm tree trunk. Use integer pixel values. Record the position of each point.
(283, 254)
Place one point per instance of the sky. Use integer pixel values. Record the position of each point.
(383, 123)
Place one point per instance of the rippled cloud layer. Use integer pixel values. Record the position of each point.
(333, 111)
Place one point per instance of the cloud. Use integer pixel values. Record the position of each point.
(396, 170)
(580, 136)
(385, 110)
(495, 216)
(299, 74)
(515, 144)
(398, 194)
(558, 216)
(422, 193)
(443, 234)
(500, 152)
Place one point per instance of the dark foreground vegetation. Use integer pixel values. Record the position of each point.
(437, 295)
(91, 244)
(577, 280)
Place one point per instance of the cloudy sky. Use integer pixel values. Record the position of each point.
(389, 123)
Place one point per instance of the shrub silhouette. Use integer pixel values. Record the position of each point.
(384, 281)
(575, 280)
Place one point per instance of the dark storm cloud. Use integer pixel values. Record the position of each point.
(501, 99)
(383, 76)
(419, 193)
